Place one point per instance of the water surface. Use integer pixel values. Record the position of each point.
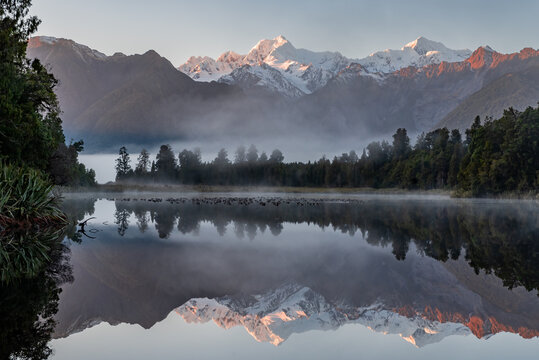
(241, 276)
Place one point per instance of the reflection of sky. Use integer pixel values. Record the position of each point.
(174, 339)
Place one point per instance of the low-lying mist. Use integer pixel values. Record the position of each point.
(294, 149)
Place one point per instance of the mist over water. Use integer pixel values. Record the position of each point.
(294, 148)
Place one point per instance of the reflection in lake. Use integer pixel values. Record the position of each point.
(422, 269)
(33, 266)
(502, 239)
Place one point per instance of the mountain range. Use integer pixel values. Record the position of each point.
(276, 64)
(279, 90)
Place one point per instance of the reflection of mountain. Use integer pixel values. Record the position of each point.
(139, 278)
(277, 314)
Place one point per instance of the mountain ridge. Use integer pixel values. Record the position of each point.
(307, 70)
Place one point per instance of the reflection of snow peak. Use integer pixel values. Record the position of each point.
(274, 316)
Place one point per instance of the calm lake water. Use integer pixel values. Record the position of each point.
(274, 276)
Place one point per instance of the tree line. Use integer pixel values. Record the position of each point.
(31, 132)
(494, 156)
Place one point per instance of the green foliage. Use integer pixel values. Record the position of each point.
(503, 154)
(30, 126)
(65, 169)
(25, 195)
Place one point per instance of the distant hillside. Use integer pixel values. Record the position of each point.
(518, 90)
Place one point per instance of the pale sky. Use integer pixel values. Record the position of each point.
(179, 29)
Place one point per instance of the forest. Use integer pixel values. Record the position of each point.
(495, 156)
(31, 134)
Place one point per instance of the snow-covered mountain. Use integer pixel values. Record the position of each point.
(418, 53)
(278, 66)
(300, 71)
(274, 316)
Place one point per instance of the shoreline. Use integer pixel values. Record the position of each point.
(220, 189)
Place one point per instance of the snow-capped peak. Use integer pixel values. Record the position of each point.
(418, 53)
(422, 46)
(303, 71)
(264, 48)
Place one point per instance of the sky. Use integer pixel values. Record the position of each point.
(180, 29)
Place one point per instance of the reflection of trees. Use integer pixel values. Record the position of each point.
(77, 210)
(142, 220)
(29, 298)
(497, 238)
(121, 218)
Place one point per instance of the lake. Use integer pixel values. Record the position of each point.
(289, 276)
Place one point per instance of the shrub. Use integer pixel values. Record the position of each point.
(27, 196)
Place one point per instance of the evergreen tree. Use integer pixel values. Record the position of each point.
(252, 154)
(165, 163)
(263, 158)
(143, 162)
(401, 144)
(240, 155)
(123, 167)
(222, 159)
(276, 157)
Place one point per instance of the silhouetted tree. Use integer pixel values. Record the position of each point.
(276, 156)
(252, 154)
(263, 158)
(123, 167)
(143, 162)
(240, 155)
(401, 144)
(165, 164)
(221, 160)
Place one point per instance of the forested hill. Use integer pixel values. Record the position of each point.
(495, 156)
